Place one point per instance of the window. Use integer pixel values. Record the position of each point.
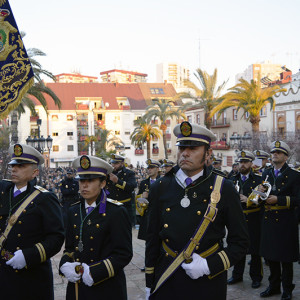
(127, 132)
(198, 119)
(55, 148)
(54, 117)
(157, 91)
(117, 132)
(298, 123)
(70, 133)
(189, 118)
(54, 133)
(246, 115)
(234, 113)
(69, 117)
(99, 117)
(70, 148)
(263, 112)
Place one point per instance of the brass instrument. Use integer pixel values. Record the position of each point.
(237, 187)
(256, 196)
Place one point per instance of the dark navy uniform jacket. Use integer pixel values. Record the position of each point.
(123, 189)
(144, 186)
(174, 225)
(252, 213)
(69, 188)
(39, 233)
(107, 249)
(279, 240)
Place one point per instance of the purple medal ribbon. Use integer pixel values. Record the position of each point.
(102, 205)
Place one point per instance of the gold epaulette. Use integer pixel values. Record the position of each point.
(41, 189)
(295, 169)
(7, 180)
(114, 201)
(75, 203)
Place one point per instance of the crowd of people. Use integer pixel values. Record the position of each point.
(185, 212)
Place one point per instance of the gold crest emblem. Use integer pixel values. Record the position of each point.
(85, 162)
(243, 154)
(186, 128)
(257, 153)
(113, 156)
(165, 161)
(149, 161)
(18, 150)
(277, 144)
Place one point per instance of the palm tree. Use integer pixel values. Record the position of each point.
(5, 133)
(89, 142)
(208, 95)
(106, 143)
(144, 132)
(250, 97)
(37, 91)
(162, 110)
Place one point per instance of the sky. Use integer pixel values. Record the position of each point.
(92, 36)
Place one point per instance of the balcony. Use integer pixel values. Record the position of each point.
(155, 151)
(220, 123)
(82, 138)
(33, 118)
(82, 123)
(169, 151)
(139, 151)
(219, 145)
(100, 123)
(168, 136)
(83, 153)
(168, 122)
(82, 106)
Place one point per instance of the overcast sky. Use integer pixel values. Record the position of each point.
(94, 35)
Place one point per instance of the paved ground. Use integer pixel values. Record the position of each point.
(136, 279)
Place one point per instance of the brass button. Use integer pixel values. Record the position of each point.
(253, 181)
(266, 217)
(278, 190)
(168, 209)
(76, 237)
(204, 200)
(91, 249)
(20, 222)
(166, 225)
(198, 212)
(92, 260)
(167, 241)
(91, 237)
(75, 226)
(18, 248)
(75, 215)
(276, 211)
(77, 259)
(167, 254)
(211, 187)
(276, 220)
(97, 225)
(76, 248)
(197, 247)
(24, 211)
(283, 183)
(16, 271)
(19, 235)
(0, 217)
(32, 202)
(246, 220)
(104, 214)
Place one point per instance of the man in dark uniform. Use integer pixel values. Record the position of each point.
(234, 171)
(246, 181)
(189, 209)
(217, 163)
(279, 239)
(167, 165)
(98, 242)
(121, 184)
(152, 169)
(69, 188)
(264, 157)
(31, 228)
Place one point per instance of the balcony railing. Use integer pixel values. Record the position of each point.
(139, 151)
(220, 123)
(219, 145)
(34, 118)
(155, 151)
(83, 153)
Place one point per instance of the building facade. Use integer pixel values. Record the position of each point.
(122, 76)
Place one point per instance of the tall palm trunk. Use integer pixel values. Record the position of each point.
(148, 149)
(163, 127)
(14, 127)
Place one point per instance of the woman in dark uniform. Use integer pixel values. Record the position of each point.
(98, 241)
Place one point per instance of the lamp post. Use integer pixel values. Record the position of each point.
(40, 144)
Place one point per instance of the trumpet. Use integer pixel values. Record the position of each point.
(256, 196)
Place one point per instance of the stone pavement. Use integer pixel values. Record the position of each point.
(136, 278)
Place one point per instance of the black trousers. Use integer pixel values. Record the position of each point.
(256, 270)
(281, 272)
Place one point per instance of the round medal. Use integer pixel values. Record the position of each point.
(185, 201)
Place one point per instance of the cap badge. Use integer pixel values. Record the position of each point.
(85, 162)
(257, 153)
(243, 154)
(186, 128)
(113, 156)
(165, 161)
(149, 161)
(18, 150)
(277, 144)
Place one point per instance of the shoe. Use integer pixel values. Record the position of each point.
(233, 280)
(269, 292)
(143, 269)
(286, 296)
(255, 284)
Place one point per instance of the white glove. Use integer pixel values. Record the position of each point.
(86, 276)
(197, 268)
(147, 290)
(68, 269)
(17, 261)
